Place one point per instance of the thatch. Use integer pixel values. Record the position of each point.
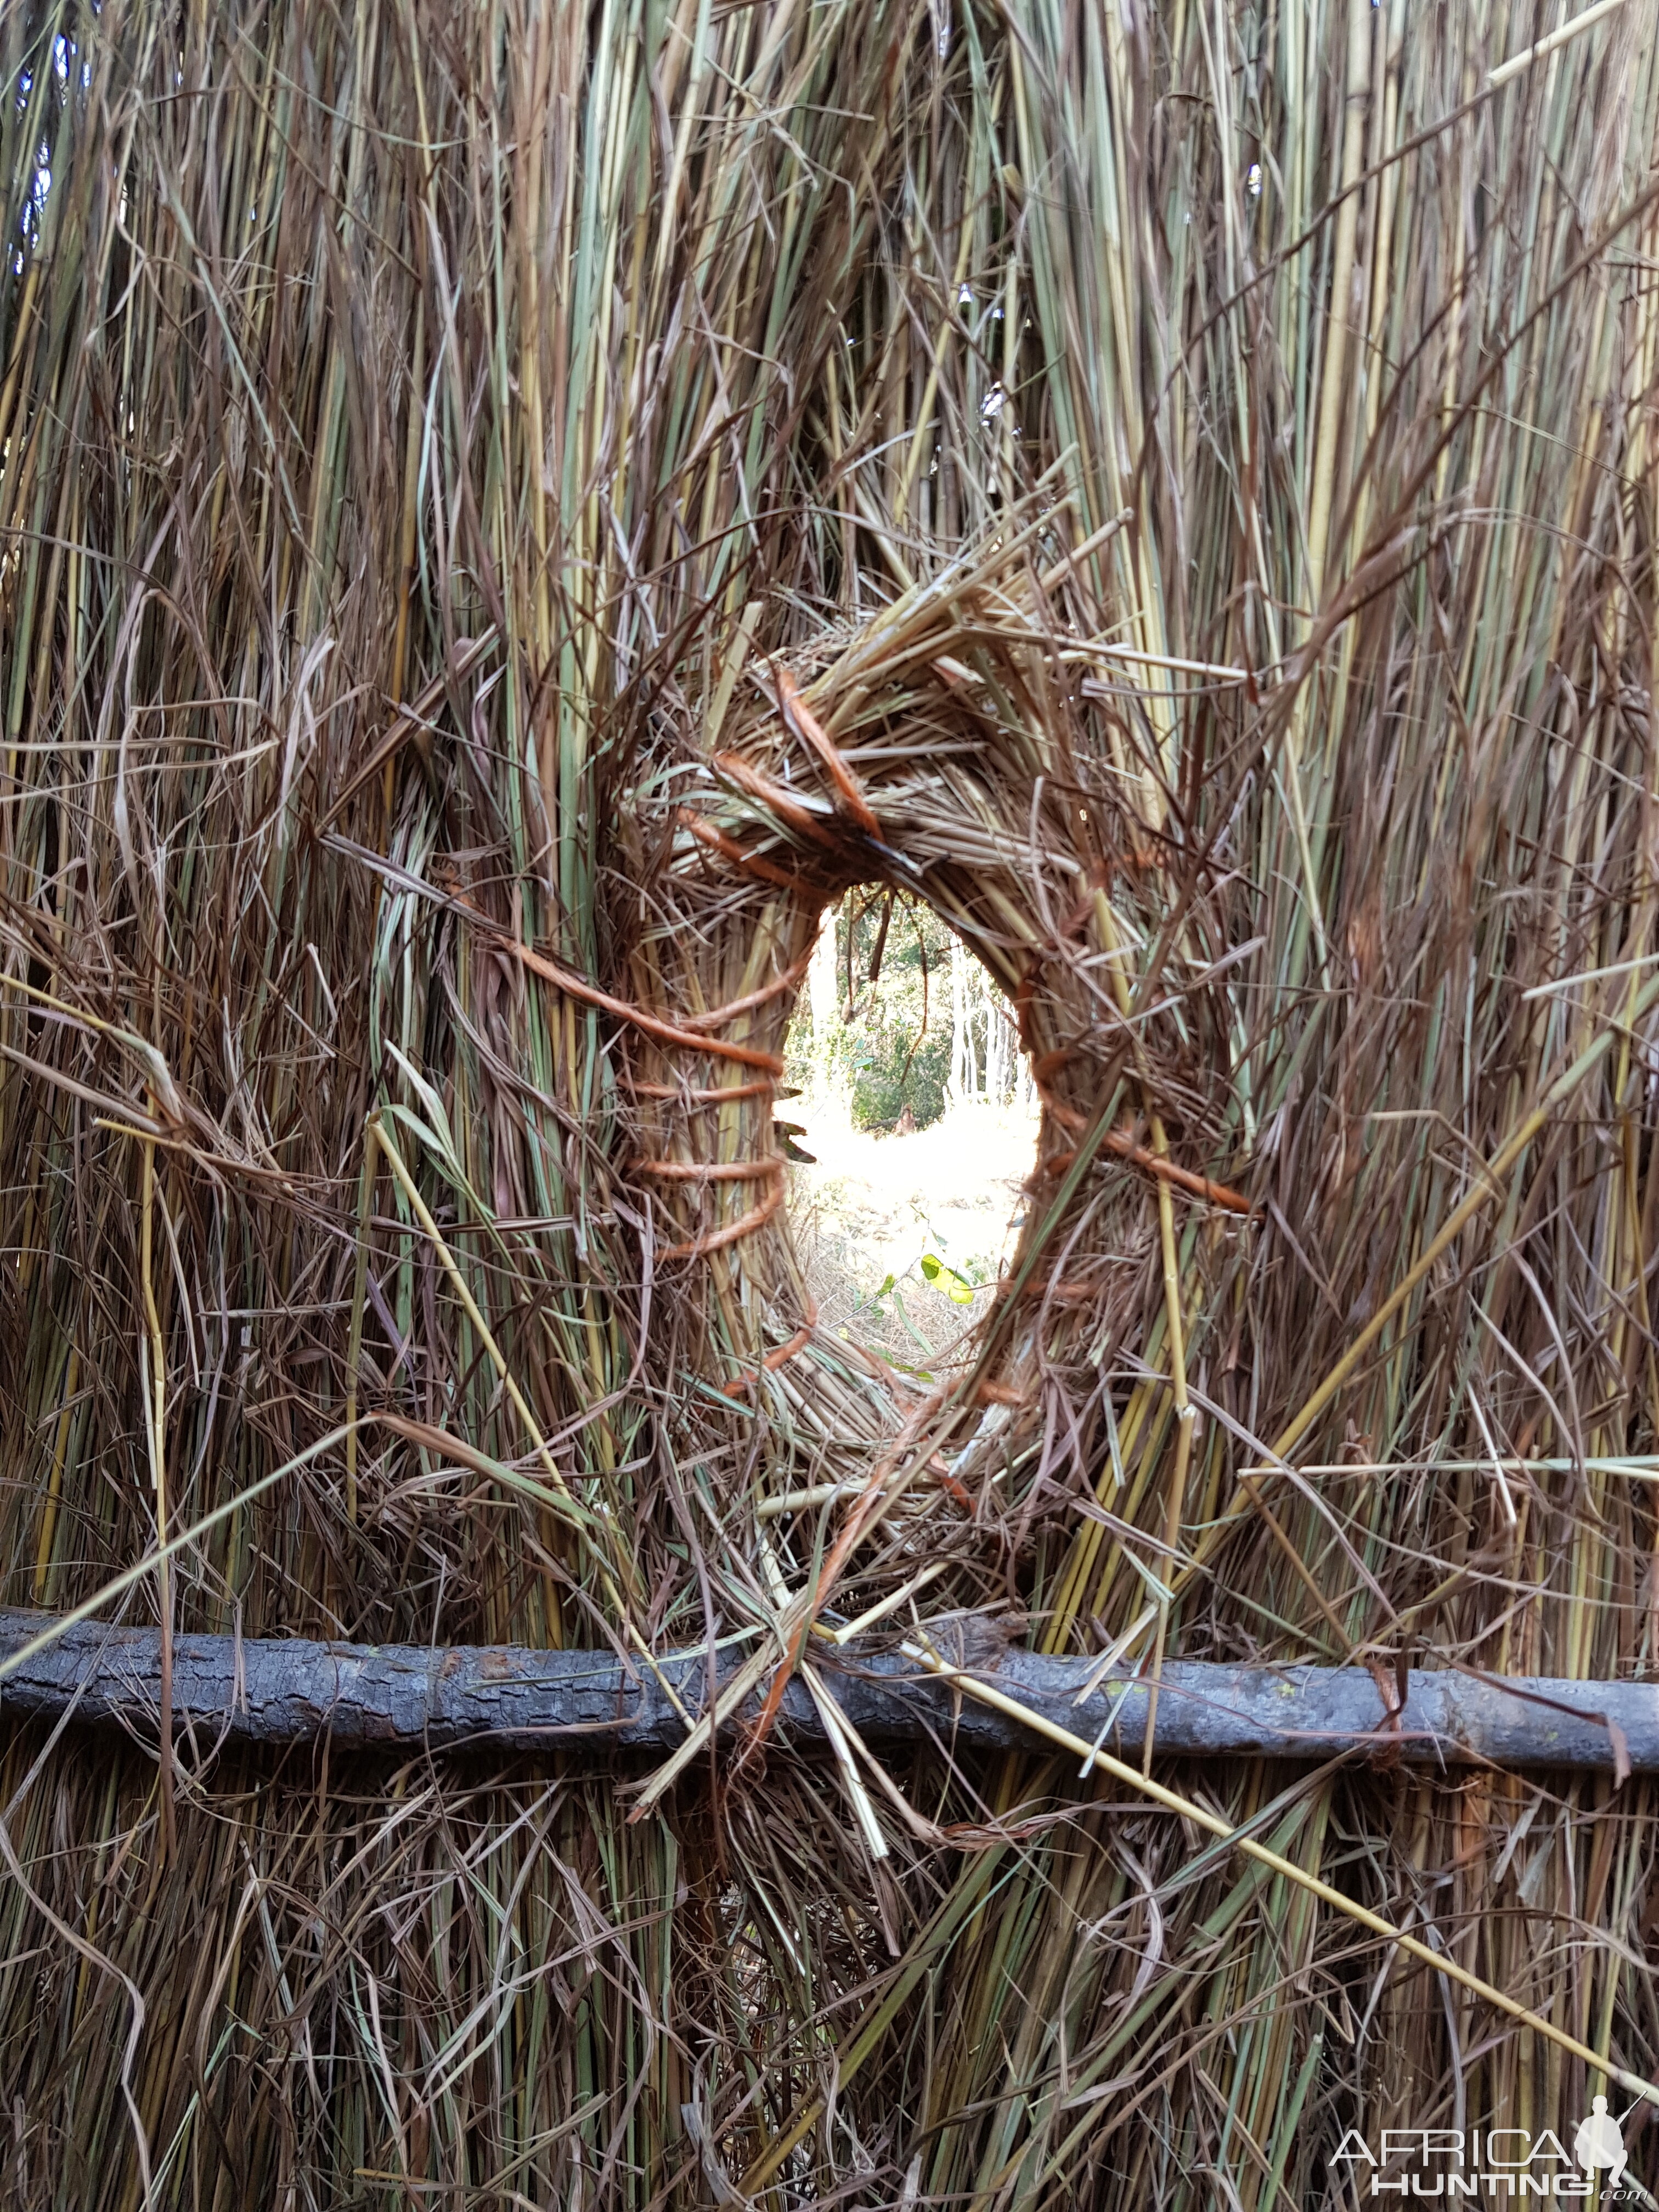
(504, 511)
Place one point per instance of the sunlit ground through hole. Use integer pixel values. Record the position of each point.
(915, 1103)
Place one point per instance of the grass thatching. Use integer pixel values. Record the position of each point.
(505, 509)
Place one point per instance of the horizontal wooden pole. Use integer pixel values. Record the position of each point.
(287, 1691)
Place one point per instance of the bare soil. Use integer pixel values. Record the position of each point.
(874, 1208)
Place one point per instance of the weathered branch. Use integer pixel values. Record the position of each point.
(290, 1692)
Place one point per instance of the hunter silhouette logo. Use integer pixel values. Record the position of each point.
(1600, 2143)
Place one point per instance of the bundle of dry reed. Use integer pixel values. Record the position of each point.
(503, 512)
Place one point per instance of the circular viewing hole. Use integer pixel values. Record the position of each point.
(911, 1120)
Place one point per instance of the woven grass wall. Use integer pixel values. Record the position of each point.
(504, 510)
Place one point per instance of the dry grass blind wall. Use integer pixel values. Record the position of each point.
(503, 508)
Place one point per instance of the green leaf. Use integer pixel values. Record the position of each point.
(955, 1287)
